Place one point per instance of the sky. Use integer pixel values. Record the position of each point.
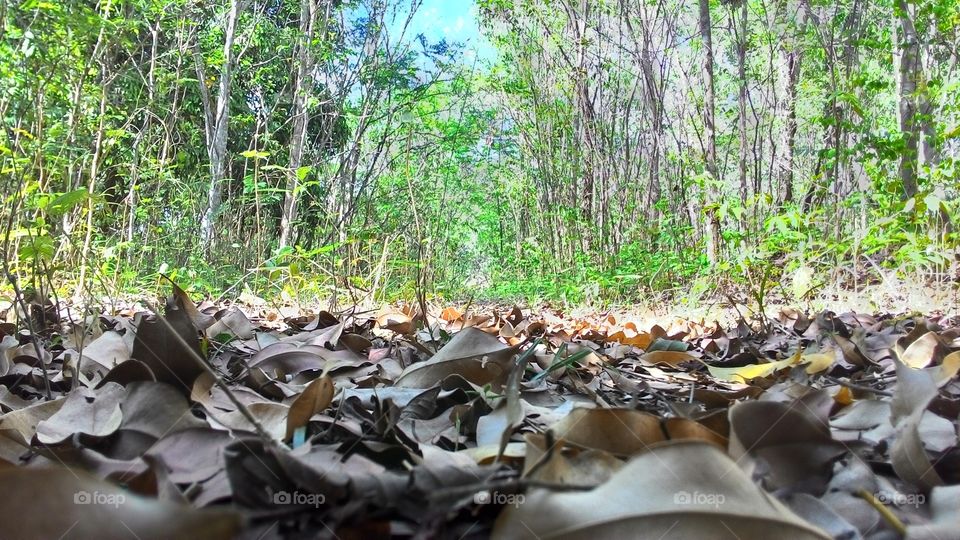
(455, 21)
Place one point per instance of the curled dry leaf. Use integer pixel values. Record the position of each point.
(128, 372)
(315, 398)
(231, 322)
(272, 417)
(674, 490)
(170, 346)
(789, 438)
(108, 350)
(916, 388)
(291, 359)
(852, 352)
(400, 323)
(27, 354)
(923, 351)
(7, 344)
(355, 343)
(472, 354)
(179, 300)
(946, 371)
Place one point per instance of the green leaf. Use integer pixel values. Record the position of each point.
(255, 154)
(37, 248)
(66, 202)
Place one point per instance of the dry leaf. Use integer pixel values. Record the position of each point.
(676, 490)
(473, 354)
(315, 398)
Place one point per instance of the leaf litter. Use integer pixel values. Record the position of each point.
(209, 421)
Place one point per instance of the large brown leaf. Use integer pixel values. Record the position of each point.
(314, 399)
(170, 346)
(676, 490)
(473, 354)
(95, 413)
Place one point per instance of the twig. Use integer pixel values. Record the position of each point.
(551, 444)
(18, 296)
(889, 516)
(853, 386)
(878, 377)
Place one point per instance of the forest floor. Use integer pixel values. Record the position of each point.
(248, 420)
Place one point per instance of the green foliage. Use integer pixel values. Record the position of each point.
(529, 179)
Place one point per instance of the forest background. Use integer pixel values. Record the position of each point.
(583, 151)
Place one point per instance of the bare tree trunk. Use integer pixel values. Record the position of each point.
(930, 148)
(91, 184)
(216, 124)
(742, 94)
(584, 103)
(302, 84)
(98, 55)
(793, 59)
(909, 72)
(713, 220)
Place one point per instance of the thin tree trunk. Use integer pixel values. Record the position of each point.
(930, 147)
(713, 220)
(742, 94)
(793, 60)
(587, 115)
(97, 150)
(909, 72)
(91, 186)
(217, 124)
(303, 59)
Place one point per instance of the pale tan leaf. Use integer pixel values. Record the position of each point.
(676, 490)
(473, 354)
